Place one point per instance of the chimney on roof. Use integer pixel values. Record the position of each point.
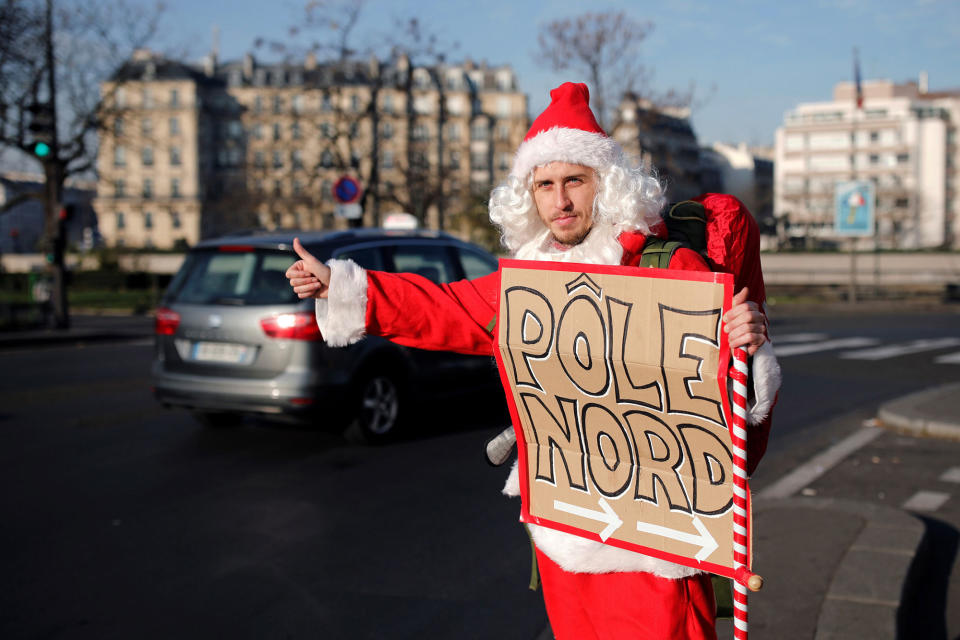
(310, 62)
(248, 64)
(141, 55)
(923, 84)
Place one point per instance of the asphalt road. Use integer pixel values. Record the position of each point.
(125, 520)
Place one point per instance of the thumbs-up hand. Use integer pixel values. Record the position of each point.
(309, 277)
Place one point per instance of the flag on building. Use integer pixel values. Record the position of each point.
(856, 79)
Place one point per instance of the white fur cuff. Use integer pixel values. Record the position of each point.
(766, 383)
(342, 316)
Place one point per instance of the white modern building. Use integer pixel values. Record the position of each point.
(903, 138)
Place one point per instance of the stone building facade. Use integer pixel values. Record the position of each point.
(191, 152)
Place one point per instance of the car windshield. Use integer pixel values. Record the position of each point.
(232, 276)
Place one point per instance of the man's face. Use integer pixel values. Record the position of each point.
(564, 196)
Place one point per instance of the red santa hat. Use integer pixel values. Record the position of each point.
(566, 131)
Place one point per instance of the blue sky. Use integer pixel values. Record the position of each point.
(750, 60)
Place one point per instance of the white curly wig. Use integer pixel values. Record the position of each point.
(628, 197)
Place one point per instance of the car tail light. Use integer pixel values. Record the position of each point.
(301, 325)
(166, 322)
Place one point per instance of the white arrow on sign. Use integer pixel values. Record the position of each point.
(607, 515)
(703, 539)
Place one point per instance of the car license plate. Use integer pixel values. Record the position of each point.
(221, 352)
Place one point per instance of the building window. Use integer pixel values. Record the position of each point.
(174, 98)
(174, 126)
(421, 132)
(296, 159)
(175, 220)
(121, 221)
(147, 188)
(277, 188)
(258, 160)
(297, 103)
(454, 160)
(478, 161)
(147, 220)
(874, 136)
(277, 131)
(120, 97)
(903, 158)
(478, 130)
(326, 131)
(326, 159)
(388, 103)
(325, 103)
(118, 127)
(146, 126)
(119, 157)
(147, 156)
(146, 99)
(355, 103)
(257, 131)
(119, 188)
(503, 132)
(297, 188)
(277, 104)
(235, 129)
(277, 160)
(874, 159)
(901, 203)
(258, 104)
(387, 130)
(354, 130)
(387, 161)
(453, 131)
(504, 163)
(175, 187)
(175, 156)
(295, 132)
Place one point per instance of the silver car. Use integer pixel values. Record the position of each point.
(232, 338)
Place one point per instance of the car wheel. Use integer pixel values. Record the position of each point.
(380, 406)
(217, 419)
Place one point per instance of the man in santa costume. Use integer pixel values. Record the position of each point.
(571, 196)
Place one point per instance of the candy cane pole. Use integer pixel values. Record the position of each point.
(743, 579)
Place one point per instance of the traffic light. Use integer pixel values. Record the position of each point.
(41, 129)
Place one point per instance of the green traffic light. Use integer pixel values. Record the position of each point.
(41, 149)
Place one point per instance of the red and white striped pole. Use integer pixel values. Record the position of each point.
(743, 578)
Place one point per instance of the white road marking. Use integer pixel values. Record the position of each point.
(819, 464)
(950, 358)
(926, 501)
(951, 475)
(826, 345)
(799, 337)
(894, 350)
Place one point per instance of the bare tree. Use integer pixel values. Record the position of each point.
(605, 47)
(52, 60)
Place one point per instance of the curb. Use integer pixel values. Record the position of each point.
(866, 589)
(921, 413)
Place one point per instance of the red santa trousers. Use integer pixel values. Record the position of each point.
(627, 606)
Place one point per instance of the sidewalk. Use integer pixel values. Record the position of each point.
(84, 327)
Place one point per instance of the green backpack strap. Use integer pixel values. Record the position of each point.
(657, 252)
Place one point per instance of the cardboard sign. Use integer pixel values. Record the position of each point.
(616, 381)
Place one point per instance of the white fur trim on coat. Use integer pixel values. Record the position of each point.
(342, 316)
(559, 144)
